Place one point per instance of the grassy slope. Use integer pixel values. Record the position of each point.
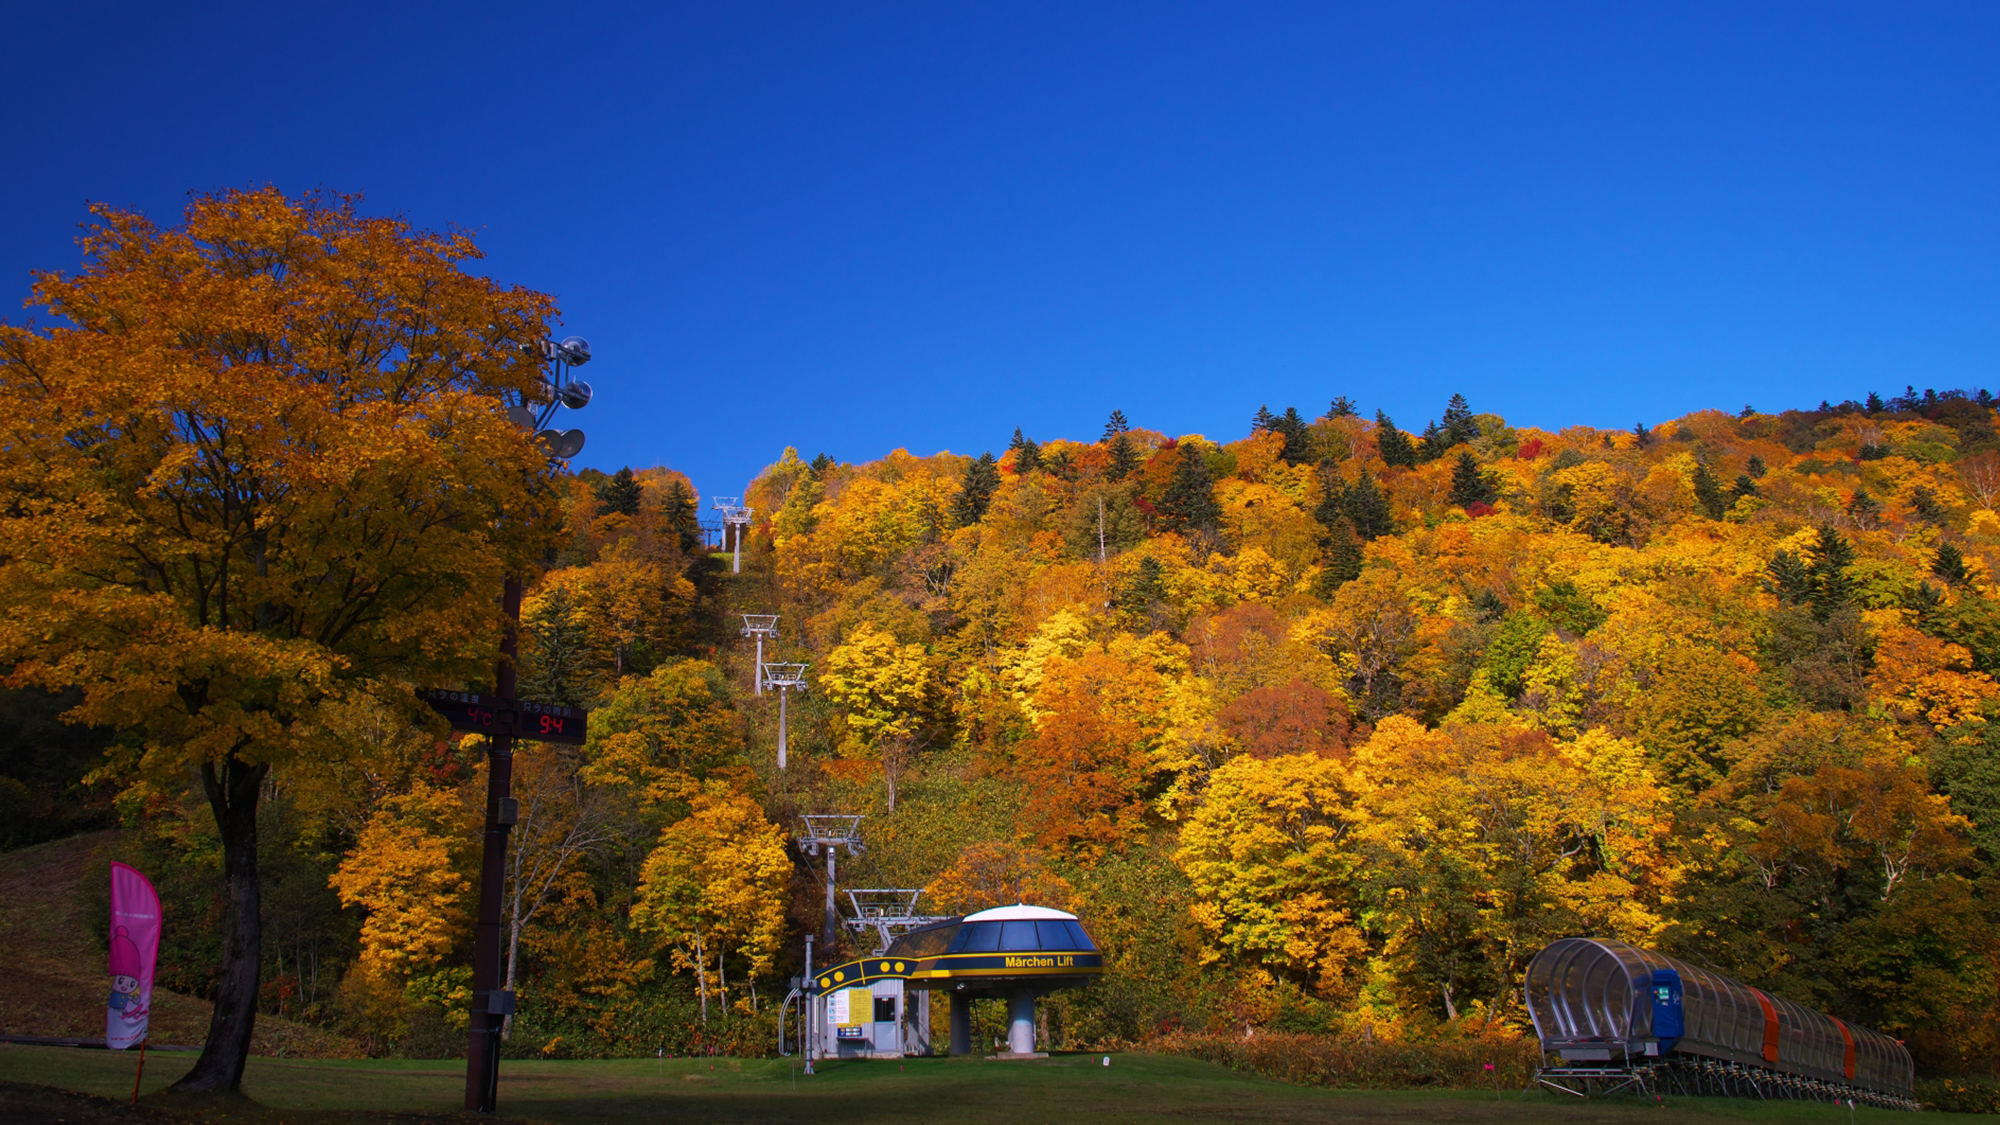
(1134, 1088)
(55, 982)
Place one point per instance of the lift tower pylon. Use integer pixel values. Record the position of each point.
(784, 677)
(735, 518)
(829, 833)
(760, 626)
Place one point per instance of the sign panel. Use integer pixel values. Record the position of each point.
(522, 718)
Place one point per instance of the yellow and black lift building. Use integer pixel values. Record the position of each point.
(879, 1006)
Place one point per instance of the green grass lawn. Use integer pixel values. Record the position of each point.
(1134, 1088)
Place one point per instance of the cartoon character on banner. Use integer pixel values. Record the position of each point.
(125, 998)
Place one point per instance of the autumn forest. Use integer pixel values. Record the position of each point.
(1322, 726)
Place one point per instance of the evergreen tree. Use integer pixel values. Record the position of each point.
(1298, 438)
(1146, 589)
(1949, 564)
(1368, 510)
(1756, 467)
(1873, 452)
(1117, 425)
(557, 664)
(1393, 443)
(1863, 508)
(1708, 493)
(1124, 458)
(1791, 578)
(1263, 420)
(1342, 562)
(619, 494)
(1027, 455)
(1925, 503)
(1189, 502)
(1744, 486)
(1332, 507)
(821, 464)
(1469, 486)
(1874, 403)
(682, 512)
(975, 490)
(1343, 407)
(1459, 428)
(1434, 444)
(1641, 436)
(1832, 586)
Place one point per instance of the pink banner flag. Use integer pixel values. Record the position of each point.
(135, 946)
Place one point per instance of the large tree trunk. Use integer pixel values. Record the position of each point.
(233, 788)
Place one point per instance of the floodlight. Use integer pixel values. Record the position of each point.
(575, 351)
(548, 440)
(521, 416)
(569, 444)
(575, 394)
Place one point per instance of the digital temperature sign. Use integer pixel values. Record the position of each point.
(522, 718)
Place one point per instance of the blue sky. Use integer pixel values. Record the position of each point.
(852, 227)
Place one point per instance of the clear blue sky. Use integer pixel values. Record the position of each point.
(850, 227)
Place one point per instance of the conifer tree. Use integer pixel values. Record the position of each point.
(1332, 507)
(1925, 503)
(1027, 455)
(820, 464)
(1189, 502)
(1641, 436)
(975, 490)
(1342, 563)
(1468, 485)
(1949, 564)
(1368, 509)
(1117, 425)
(1874, 403)
(1708, 493)
(1433, 444)
(1263, 421)
(1832, 586)
(1343, 407)
(1298, 438)
(1863, 508)
(1459, 428)
(1744, 486)
(1124, 458)
(1755, 468)
(619, 494)
(682, 513)
(1393, 443)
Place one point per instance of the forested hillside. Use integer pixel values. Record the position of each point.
(1327, 727)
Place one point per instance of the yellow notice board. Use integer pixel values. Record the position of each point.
(848, 1007)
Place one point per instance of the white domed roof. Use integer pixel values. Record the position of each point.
(1017, 913)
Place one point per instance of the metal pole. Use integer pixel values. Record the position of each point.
(832, 918)
(810, 1015)
(482, 1060)
(736, 567)
(784, 697)
(760, 664)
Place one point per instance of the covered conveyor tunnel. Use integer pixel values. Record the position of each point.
(1607, 1005)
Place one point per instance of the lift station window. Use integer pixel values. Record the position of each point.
(1018, 936)
(885, 1009)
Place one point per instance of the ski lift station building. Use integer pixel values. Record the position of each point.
(879, 1006)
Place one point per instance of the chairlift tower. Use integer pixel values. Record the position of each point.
(760, 626)
(890, 912)
(784, 677)
(735, 518)
(829, 833)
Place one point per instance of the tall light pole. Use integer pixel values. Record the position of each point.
(491, 1005)
(760, 626)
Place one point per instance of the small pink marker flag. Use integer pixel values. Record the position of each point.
(135, 947)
